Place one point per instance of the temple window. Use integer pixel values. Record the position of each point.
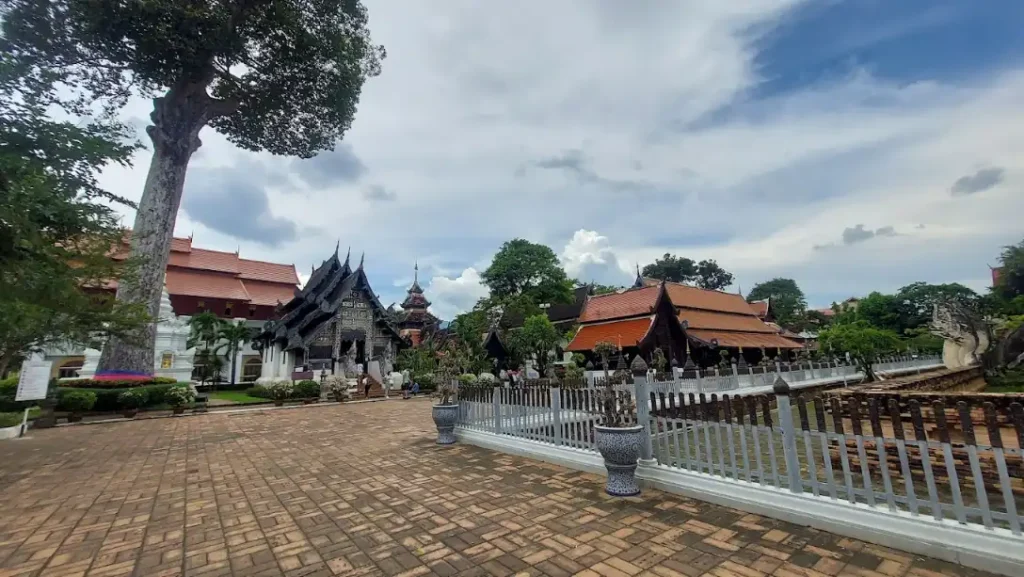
(201, 305)
(166, 360)
(252, 311)
(69, 368)
(227, 309)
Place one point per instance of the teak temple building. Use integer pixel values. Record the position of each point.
(335, 323)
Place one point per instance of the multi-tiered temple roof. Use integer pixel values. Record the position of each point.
(414, 320)
(318, 302)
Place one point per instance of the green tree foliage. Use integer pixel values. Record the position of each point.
(603, 289)
(880, 311)
(233, 336)
(523, 268)
(916, 302)
(672, 268)
(863, 342)
(711, 276)
(417, 360)
(535, 339)
(281, 76)
(1011, 278)
(787, 300)
(56, 235)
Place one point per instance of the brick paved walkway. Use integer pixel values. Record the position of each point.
(361, 490)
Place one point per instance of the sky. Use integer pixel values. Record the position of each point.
(853, 146)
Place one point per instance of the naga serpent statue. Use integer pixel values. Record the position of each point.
(967, 336)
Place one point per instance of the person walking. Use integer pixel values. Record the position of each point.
(366, 386)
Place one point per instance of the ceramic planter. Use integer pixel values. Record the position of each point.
(620, 447)
(444, 418)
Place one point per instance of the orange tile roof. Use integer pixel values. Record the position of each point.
(625, 333)
(268, 294)
(743, 339)
(268, 271)
(629, 303)
(697, 298)
(205, 284)
(760, 308)
(201, 258)
(723, 321)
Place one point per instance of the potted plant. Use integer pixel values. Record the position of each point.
(618, 443)
(280, 390)
(446, 411)
(76, 403)
(130, 401)
(338, 385)
(178, 398)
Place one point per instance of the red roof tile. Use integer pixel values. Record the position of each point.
(697, 298)
(760, 308)
(630, 303)
(205, 284)
(741, 339)
(626, 333)
(201, 258)
(723, 321)
(268, 294)
(268, 271)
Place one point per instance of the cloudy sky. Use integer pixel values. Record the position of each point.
(854, 146)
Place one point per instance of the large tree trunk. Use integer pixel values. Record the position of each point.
(177, 118)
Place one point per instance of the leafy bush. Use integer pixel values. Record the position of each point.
(339, 387)
(258, 391)
(179, 396)
(486, 379)
(1010, 381)
(133, 398)
(79, 401)
(280, 389)
(306, 389)
(467, 379)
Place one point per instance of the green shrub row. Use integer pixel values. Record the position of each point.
(107, 399)
(10, 419)
(119, 384)
(306, 389)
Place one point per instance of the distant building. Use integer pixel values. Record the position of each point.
(997, 273)
(198, 280)
(686, 322)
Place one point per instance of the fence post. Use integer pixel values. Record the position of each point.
(643, 414)
(735, 375)
(496, 401)
(556, 412)
(781, 389)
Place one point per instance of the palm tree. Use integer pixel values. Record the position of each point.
(232, 337)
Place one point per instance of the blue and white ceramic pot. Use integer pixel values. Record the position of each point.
(444, 419)
(620, 447)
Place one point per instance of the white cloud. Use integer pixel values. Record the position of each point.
(588, 257)
(467, 107)
(451, 296)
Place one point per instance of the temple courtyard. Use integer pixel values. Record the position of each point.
(361, 489)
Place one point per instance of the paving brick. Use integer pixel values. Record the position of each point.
(361, 490)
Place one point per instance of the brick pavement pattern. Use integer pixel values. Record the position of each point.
(361, 490)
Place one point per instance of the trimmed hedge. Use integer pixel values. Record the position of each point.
(106, 399)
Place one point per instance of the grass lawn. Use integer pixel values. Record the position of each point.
(237, 397)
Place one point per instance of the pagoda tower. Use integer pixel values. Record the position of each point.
(415, 321)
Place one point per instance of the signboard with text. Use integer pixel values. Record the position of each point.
(34, 380)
